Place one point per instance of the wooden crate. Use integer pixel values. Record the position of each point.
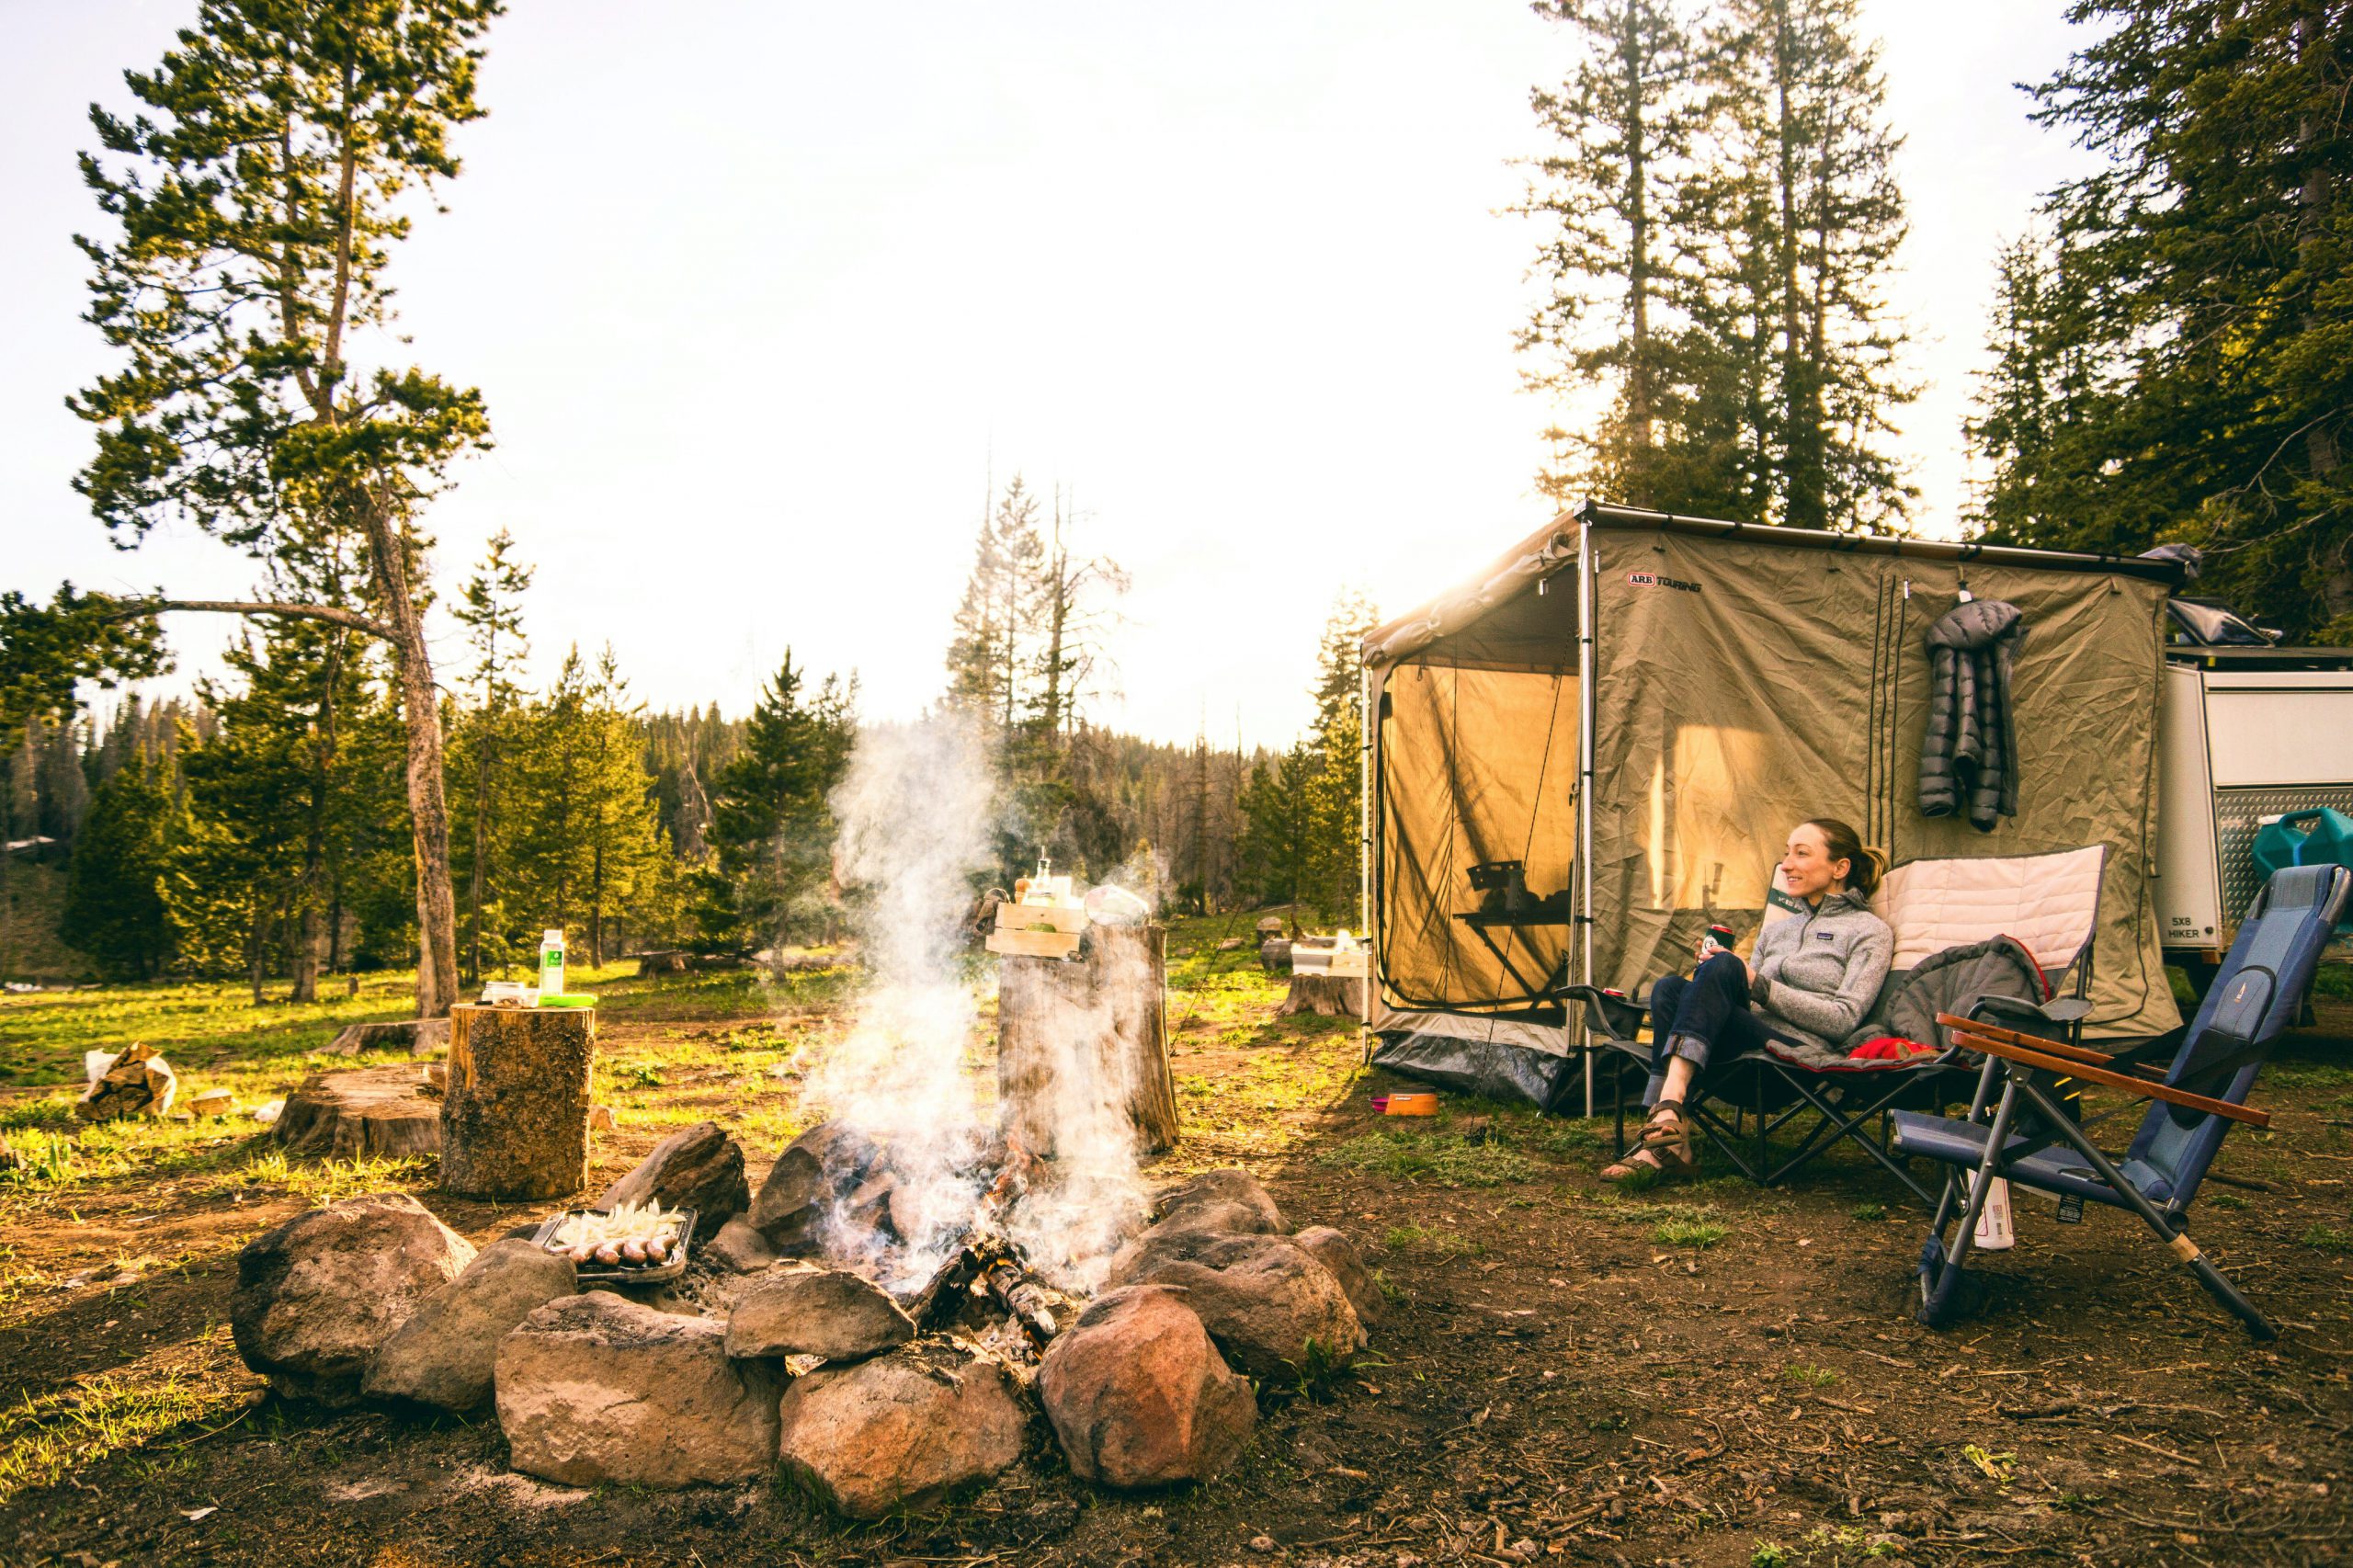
(1068, 917)
(1033, 944)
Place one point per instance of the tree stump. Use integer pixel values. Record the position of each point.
(1105, 1012)
(387, 1112)
(1325, 995)
(515, 1111)
(418, 1037)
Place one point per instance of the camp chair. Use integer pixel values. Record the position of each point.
(2047, 905)
(2259, 992)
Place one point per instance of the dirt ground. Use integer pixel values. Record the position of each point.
(1707, 1374)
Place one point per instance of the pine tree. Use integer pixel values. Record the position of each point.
(490, 610)
(114, 911)
(1332, 869)
(997, 621)
(293, 791)
(254, 203)
(772, 828)
(1622, 122)
(1278, 825)
(625, 856)
(2204, 303)
(1791, 225)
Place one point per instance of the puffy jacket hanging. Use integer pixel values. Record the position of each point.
(1968, 755)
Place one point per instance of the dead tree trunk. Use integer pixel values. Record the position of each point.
(1105, 1012)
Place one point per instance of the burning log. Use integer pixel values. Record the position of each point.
(1031, 1303)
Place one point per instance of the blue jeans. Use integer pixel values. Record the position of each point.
(1696, 1018)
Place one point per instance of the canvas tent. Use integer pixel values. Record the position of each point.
(1737, 680)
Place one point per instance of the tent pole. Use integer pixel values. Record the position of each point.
(1583, 912)
(1368, 759)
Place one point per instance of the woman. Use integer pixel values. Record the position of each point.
(1811, 980)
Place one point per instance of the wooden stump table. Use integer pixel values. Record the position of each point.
(1117, 994)
(515, 1111)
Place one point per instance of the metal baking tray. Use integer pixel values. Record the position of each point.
(643, 1274)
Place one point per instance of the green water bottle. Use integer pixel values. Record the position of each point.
(550, 963)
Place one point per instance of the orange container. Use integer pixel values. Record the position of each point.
(1418, 1104)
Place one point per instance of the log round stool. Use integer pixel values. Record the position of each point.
(514, 1112)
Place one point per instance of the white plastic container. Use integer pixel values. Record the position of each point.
(1994, 1233)
(550, 963)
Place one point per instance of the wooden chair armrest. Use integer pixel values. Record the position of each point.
(2083, 1053)
(2047, 1062)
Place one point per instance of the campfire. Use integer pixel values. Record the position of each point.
(916, 1274)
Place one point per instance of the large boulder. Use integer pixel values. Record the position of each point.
(816, 1312)
(1229, 1199)
(814, 1169)
(1140, 1397)
(1336, 1253)
(697, 1167)
(594, 1389)
(1271, 1307)
(443, 1357)
(317, 1295)
(901, 1431)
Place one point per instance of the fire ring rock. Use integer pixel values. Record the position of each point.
(443, 1355)
(815, 1168)
(595, 1390)
(697, 1167)
(1140, 1397)
(1271, 1307)
(816, 1312)
(317, 1295)
(903, 1430)
(1230, 1200)
(1336, 1252)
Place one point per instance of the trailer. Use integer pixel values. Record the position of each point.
(2248, 731)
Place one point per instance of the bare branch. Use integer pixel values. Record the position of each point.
(131, 609)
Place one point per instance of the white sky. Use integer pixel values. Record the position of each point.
(758, 291)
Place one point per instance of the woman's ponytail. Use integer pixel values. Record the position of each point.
(1866, 863)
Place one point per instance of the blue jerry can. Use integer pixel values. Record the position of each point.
(2321, 836)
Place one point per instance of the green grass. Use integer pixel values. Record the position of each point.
(45, 1438)
(1432, 1244)
(2327, 1238)
(1435, 1156)
(1870, 1214)
(1808, 1376)
(1699, 1233)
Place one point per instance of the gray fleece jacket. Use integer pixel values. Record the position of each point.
(1824, 970)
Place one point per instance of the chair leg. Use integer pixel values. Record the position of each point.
(2176, 1241)
(1618, 1108)
(1941, 1266)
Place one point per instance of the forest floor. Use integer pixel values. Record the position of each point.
(1706, 1374)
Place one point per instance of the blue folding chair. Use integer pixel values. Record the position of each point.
(2034, 1143)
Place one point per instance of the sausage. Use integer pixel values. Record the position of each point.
(633, 1251)
(609, 1253)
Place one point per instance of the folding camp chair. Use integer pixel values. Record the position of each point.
(2047, 905)
(2033, 1142)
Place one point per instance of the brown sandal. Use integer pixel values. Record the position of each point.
(1665, 1146)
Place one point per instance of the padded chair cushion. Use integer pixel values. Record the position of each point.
(2058, 1168)
(2048, 902)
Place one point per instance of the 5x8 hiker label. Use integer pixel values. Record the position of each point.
(1653, 580)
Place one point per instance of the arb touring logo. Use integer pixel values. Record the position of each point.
(1653, 580)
